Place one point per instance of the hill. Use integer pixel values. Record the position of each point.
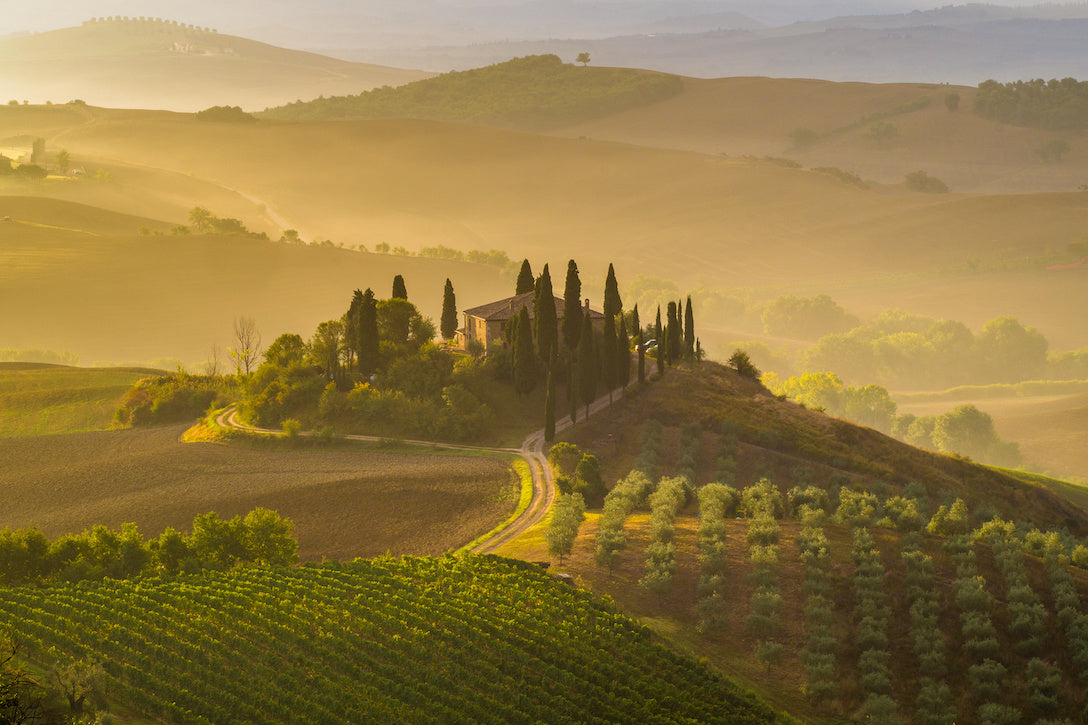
(75, 279)
(156, 63)
(416, 640)
(39, 399)
(783, 440)
(535, 92)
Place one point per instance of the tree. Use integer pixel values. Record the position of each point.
(588, 480)
(268, 539)
(689, 331)
(588, 366)
(608, 355)
(201, 220)
(660, 355)
(582, 58)
(567, 515)
(740, 362)
(400, 292)
(640, 343)
(1052, 151)
(37, 150)
(547, 325)
(952, 102)
(526, 281)
(1011, 352)
(524, 356)
(449, 312)
(368, 342)
(20, 696)
(623, 355)
(612, 303)
(247, 344)
(549, 409)
(79, 682)
(64, 161)
(327, 348)
(572, 307)
(673, 335)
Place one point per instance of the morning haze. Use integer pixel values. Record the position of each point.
(548, 362)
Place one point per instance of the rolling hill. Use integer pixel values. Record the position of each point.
(154, 63)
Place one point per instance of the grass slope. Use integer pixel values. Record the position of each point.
(47, 399)
(779, 436)
(346, 500)
(146, 297)
(150, 64)
(416, 641)
(534, 92)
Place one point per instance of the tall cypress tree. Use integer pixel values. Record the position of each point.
(367, 351)
(524, 355)
(588, 365)
(689, 331)
(673, 335)
(525, 279)
(547, 325)
(623, 355)
(351, 326)
(662, 346)
(572, 307)
(400, 292)
(549, 409)
(612, 303)
(640, 342)
(608, 355)
(449, 311)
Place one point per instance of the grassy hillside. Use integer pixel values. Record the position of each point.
(417, 640)
(759, 116)
(534, 92)
(142, 297)
(45, 399)
(345, 500)
(782, 440)
(162, 64)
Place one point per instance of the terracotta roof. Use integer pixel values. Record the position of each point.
(502, 310)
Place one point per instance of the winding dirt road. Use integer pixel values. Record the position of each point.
(532, 450)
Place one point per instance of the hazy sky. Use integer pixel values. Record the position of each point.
(245, 17)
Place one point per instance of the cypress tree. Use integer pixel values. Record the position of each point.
(612, 303)
(661, 345)
(449, 311)
(400, 292)
(623, 355)
(641, 345)
(689, 331)
(608, 355)
(351, 326)
(674, 334)
(367, 351)
(588, 365)
(524, 355)
(525, 279)
(572, 307)
(547, 325)
(549, 409)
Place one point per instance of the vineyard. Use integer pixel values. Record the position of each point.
(422, 640)
(836, 601)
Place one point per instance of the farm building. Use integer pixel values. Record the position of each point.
(487, 323)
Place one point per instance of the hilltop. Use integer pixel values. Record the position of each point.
(156, 63)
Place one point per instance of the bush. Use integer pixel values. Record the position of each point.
(922, 182)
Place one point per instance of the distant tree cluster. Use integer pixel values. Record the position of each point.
(262, 537)
(1056, 104)
(539, 91)
(224, 114)
(173, 398)
(202, 221)
(806, 318)
(924, 183)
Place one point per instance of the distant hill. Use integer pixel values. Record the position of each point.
(880, 49)
(153, 63)
(535, 92)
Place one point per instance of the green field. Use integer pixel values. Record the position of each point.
(45, 399)
(420, 640)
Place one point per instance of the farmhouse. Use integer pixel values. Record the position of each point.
(487, 323)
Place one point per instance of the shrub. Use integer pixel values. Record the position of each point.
(922, 182)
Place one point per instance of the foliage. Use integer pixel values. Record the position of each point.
(262, 537)
(806, 318)
(536, 91)
(567, 515)
(174, 398)
(1058, 104)
(224, 114)
(740, 362)
(624, 497)
(923, 182)
(869, 405)
(412, 640)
